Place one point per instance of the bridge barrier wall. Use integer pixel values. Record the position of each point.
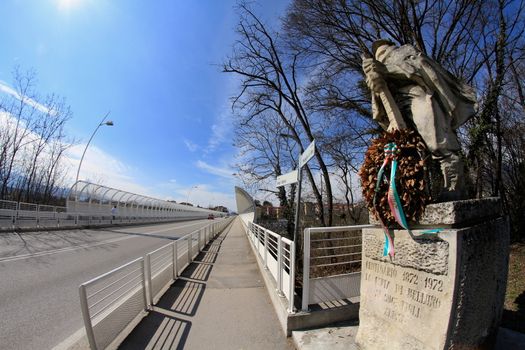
(331, 276)
(276, 253)
(27, 216)
(116, 301)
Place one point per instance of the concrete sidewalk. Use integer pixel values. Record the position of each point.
(219, 302)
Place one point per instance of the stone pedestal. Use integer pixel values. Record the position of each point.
(441, 291)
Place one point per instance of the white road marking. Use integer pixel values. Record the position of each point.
(89, 245)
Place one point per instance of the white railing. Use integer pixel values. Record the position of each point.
(114, 300)
(14, 215)
(277, 255)
(331, 264)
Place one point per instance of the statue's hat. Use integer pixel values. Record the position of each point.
(382, 48)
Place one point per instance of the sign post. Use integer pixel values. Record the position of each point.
(293, 177)
(297, 176)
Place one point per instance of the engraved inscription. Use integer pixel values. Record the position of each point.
(423, 298)
(412, 309)
(382, 283)
(382, 269)
(434, 284)
(393, 314)
(402, 294)
(410, 277)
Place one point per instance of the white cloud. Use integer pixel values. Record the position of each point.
(103, 168)
(5, 88)
(202, 194)
(190, 145)
(215, 170)
(221, 130)
(98, 166)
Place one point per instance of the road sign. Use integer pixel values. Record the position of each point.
(287, 179)
(307, 154)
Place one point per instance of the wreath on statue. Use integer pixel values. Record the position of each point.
(408, 156)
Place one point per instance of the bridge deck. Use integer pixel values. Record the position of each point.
(219, 302)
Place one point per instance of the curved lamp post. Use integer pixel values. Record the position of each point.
(103, 122)
(189, 192)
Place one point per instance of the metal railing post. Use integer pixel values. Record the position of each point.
(258, 240)
(175, 259)
(280, 267)
(143, 268)
(14, 213)
(189, 248)
(38, 216)
(291, 307)
(17, 221)
(306, 270)
(265, 249)
(87, 318)
(149, 279)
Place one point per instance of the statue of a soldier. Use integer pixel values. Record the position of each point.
(410, 90)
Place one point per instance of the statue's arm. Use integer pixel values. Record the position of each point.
(384, 108)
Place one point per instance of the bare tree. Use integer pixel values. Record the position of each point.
(270, 83)
(263, 156)
(32, 141)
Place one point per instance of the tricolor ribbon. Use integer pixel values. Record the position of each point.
(394, 202)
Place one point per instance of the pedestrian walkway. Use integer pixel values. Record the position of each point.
(219, 302)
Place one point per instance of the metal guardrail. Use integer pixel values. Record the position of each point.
(14, 215)
(113, 300)
(277, 254)
(118, 298)
(331, 263)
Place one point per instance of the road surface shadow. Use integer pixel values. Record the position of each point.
(168, 325)
(150, 235)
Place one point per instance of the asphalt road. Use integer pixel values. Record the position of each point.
(40, 273)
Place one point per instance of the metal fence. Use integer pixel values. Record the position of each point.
(112, 301)
(331, 264)
(277, 255)
(19, 215)
(116, 299)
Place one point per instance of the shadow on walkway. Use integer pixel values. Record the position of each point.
(168, 325)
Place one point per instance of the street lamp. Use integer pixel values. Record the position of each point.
(189, 192)
(103, 122)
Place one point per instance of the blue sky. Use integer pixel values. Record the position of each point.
(156, 66)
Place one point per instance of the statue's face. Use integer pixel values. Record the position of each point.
(407, 58)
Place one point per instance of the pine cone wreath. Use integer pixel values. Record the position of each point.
(410, 177)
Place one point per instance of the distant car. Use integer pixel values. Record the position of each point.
(211, 217)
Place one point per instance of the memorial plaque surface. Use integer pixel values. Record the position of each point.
(442, 291)
(402, 297)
